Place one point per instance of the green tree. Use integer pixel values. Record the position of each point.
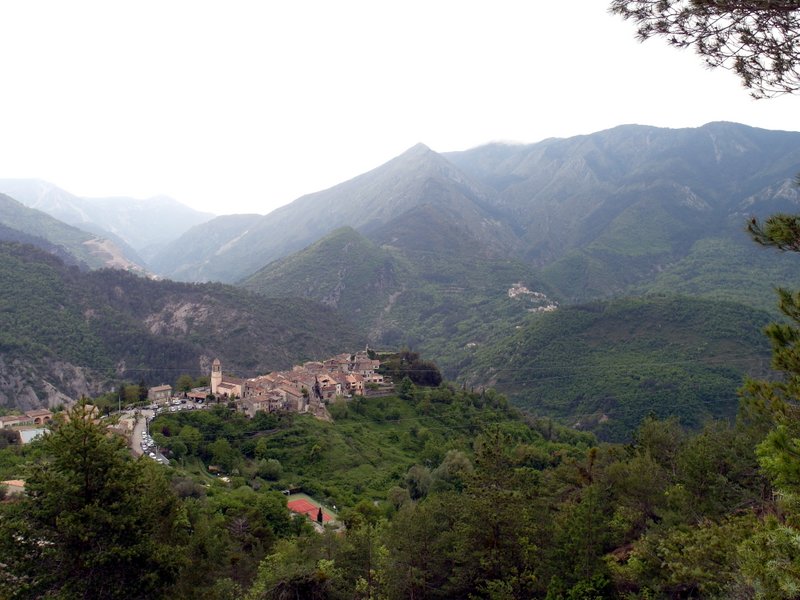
(361, 559)
(262, 448)
(406, 389)
(301, 568)
(759, 40)
(420, 540)
(192, 437)
(94, 523)
(223, 454)
(131, 394)
(679, 560)
(771, 559)
(177, 448)
(270, 469)
(452, 472)
(184, 383)
(418, 481)
(252, 522)
(142, 391)
(501, 526)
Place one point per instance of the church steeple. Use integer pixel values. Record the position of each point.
(216, 375)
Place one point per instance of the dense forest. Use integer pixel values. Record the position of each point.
(441, 493)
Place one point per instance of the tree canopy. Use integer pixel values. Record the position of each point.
(759, 40)
(94, 522)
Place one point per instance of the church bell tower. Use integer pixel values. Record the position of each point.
(216, 375)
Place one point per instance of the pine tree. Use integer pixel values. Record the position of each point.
(94, 524)
(759, 40)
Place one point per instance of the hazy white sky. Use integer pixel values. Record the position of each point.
(245, 105)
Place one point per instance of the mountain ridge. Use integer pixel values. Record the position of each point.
(536, 202)
(85, 248)
(119, 218)
(365, 202)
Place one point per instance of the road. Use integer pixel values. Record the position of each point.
(143, 417)
(141, 425)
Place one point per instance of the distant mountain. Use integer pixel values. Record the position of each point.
(417, 178)
(7, 234)
(633, 210)
(599, 215)
(84, 248)
(607, 212)
(146, 225)
(202, 253)
(65, 333)
(605, 366)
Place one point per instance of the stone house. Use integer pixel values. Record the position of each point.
(306, 388)
(159, 394)
(31, 417)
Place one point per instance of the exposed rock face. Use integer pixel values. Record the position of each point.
(27, 386)
(177, 317)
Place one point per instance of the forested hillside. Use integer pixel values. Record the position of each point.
(83, 247)
(607, 212)
(605, 366)
(67, 332)
(421, 283)
(630, 211)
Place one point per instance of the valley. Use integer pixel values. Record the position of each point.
(481, 259)
(371, 360)
(568, 344)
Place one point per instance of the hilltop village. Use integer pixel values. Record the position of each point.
(306, 388)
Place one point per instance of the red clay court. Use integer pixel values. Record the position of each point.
(304, 507)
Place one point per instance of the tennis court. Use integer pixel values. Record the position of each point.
(305, 505)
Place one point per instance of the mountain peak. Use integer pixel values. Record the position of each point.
(416, 150)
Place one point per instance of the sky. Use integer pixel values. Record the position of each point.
(245, 105)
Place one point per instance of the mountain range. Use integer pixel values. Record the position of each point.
(458, 255)
(144, 226)
(75, 246)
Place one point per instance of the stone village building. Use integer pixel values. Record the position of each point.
(159, 394)
(27, 426)
(306, 388)
(30, 417)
